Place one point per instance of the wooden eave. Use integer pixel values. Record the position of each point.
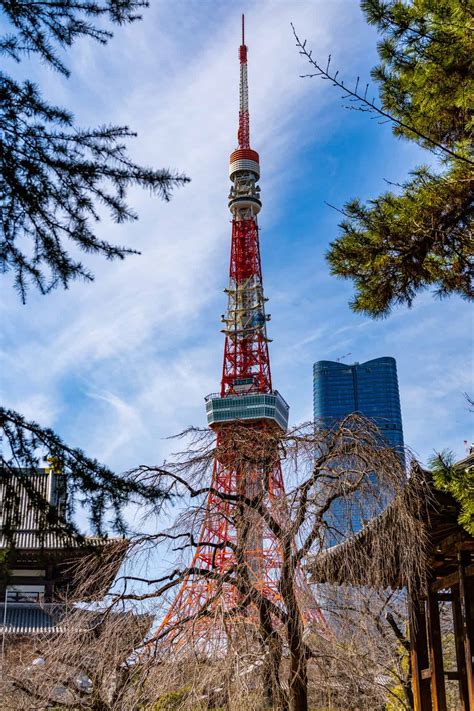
(66, 560)
(446, 538)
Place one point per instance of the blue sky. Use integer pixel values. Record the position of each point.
(118, 366)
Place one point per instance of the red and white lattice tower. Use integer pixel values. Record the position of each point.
(247, 398)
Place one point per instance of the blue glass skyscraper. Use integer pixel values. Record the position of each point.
(370, 389)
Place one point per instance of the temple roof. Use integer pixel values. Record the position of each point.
(49, 619)
(52, 540)
(31, 529)
(374, 556)
(33, 539)
(28, 619)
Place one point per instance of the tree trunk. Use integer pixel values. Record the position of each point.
(298, 677)
(274, 695)
(298, 681)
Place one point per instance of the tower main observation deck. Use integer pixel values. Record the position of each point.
(246, 401)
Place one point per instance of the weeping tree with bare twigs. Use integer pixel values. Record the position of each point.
(349, 469)
(269, 653)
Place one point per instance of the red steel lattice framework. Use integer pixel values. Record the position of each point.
(246, 396)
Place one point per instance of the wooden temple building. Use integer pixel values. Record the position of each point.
(38, 564)
(448, 568)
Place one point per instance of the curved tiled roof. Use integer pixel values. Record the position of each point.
(347, 562)
(23, 618)
(43, 619)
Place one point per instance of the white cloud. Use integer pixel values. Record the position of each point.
(40, 407)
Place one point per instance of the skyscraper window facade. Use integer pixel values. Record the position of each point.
(369, 388)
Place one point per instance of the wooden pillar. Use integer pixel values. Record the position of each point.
(460, 653)
(419, 652)
(438, 690)
(467, 623)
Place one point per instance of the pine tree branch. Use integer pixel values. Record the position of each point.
(28, 446)
(38, 26)
(53, 177)
(365, 104)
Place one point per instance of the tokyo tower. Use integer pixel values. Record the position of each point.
(246, 400)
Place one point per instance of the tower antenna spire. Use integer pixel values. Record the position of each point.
(243, 135)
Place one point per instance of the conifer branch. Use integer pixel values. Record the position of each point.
(365, 104)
